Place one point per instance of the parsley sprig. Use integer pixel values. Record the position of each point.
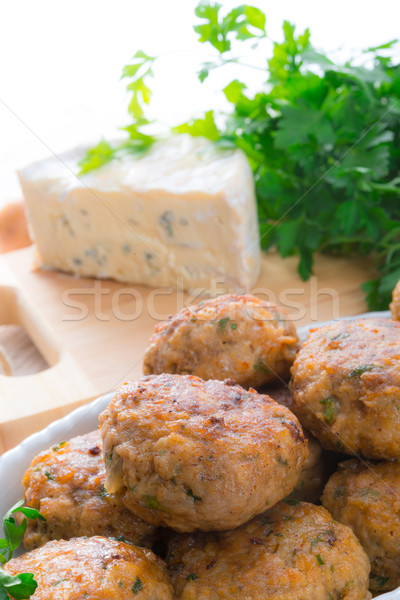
(20, 586)
(323, 140)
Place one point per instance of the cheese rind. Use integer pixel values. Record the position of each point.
(184, 215)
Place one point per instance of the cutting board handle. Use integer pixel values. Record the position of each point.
(40, 398)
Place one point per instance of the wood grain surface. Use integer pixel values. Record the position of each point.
(104, 327)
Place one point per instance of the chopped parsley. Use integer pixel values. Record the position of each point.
(330, 408)
(360, 370)
(192, 496)
(191, 577)
(137, 586)
(222, 323)
(320, 560)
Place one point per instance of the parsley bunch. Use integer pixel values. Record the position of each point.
(20, 586)
(323, 140)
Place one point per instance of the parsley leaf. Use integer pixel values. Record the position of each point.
(23, 585)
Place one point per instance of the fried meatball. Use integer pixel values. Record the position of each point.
(66, 484)
(315, 473)
(237, 337)
(192, 454)
(95, 568)
(346, 387)
(367, 498)
(289, 553)
(395, 304)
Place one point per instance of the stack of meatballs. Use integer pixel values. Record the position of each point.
(201, 483)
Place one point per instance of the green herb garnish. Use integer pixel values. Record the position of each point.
(320, 560)
(191, 577)
(23, 585)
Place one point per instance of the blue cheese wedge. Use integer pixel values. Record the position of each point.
(183, 215)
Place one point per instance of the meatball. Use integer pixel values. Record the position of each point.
(346, 387)
(192, 454)
(290, 553)
(66, 484)
(367, 498)
(315, 472)
(95, 568)
(395, 304)
(237, 337)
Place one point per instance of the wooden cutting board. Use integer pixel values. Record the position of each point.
(93, 334)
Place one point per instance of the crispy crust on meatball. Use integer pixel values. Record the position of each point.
(366, 496)
(95, 568)
(315, 472)
(395, 304)
(192, 454)
(346, 387)
(289, 553)
(66, 484)
(239, 337)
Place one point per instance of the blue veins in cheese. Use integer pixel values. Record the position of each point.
(183, 215)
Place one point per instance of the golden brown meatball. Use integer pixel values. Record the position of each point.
(289, 553)
(194, 454)
(315, 472)
(395, 304)
(66, 484)
(367, 498)
(237, 337)
(346, 386)
(95, 568)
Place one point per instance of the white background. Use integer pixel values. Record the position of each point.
(60, 63)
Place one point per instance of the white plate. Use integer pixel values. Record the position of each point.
(14, 463)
